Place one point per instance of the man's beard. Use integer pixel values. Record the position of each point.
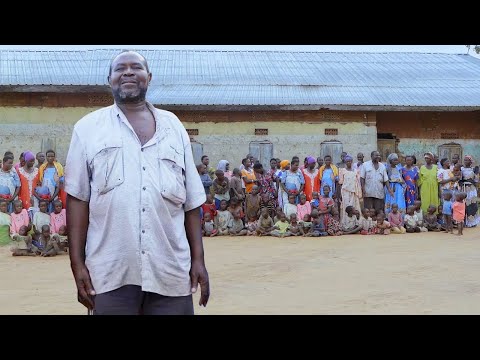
(129, 98)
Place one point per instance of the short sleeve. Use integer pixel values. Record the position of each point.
(301, 178)
(385, 175)
(362, 171)
(16, 178)
(77, 172)
(193, 184)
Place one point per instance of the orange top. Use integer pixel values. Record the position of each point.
(248, 176)
(28, 182)
(458, 211)
(312, 183)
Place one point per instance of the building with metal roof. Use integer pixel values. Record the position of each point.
(255, 79)
(270, 103)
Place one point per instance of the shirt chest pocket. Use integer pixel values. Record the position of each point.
(171, 162)
(107, 168)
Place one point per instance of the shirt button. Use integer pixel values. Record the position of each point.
(144, 168)
(143, 231)
(143, 252)
(144, 188)
(142, 150)
(143, 209)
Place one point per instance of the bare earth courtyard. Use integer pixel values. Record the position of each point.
(431, 273)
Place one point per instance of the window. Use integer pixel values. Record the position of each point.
(263, 151)
(333, 148)
(261, 131)
(331, 131)
(448, 150)
(192, 132)
(197, 150)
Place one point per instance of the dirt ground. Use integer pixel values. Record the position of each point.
(433, 273)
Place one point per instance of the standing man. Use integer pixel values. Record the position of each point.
(133, 204)
(341, 164)
(373, 178)
(40, 159)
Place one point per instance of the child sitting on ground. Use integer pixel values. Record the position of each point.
(430, 220)
(396, 221)
(458, 210)
(252, 226)
(40, 218)
(281, 227)
(222, 219)
(294, 229)
(306, 224)
(382, 227)
(368, 226)
(419, 212)
(234, 206)
(333, 223)
(49, 243)
(4, 223)
(447, 211)
(318, 228)
(61, 238)
(440, 219)
(265, 223)
(411, 221)
(351, 222)
(209, 228)
(278, 213)
(236, 227)
(209, 206)
(22, 243)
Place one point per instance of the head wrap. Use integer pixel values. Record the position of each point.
(391, 157)
(311, 160)
(429, 154)
(284, 164)
(469, 157)
(222, 165)
(348, 157)
(28, 155)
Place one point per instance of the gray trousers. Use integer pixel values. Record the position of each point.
(131, 300)
(374, 203)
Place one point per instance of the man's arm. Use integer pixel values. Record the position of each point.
(198, 271)
(77, 186)
(77, 226)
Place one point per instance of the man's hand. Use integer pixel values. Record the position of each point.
(199, 275)
(84, 285)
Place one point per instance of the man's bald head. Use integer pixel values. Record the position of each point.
(128, 51)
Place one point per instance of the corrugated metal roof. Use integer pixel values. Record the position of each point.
(192, 77)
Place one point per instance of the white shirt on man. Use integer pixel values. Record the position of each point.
(138, 197)
(374, 179)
